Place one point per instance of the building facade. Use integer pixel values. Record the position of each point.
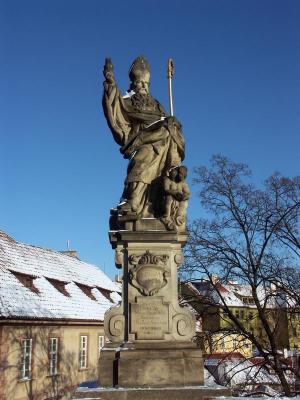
(52, 308)
(218, 335)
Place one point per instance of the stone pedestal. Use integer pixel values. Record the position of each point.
(153, 365)
(150, 333)
(169, 393)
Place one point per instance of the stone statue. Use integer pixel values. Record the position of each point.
(148, 137)
(177, 194)
(149, 333)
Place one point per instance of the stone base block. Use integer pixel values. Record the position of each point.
(162, 366)
(170, 393)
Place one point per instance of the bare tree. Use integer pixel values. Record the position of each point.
(251, 235)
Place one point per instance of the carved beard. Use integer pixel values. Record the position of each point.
(143, 102)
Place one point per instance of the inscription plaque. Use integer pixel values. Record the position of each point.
(149, 318)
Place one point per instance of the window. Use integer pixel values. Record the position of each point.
(53, 356)
(26, 349)
(223, 344)
(83, 352)
(100, 342)
(26, 280)
(248, 300)
(234, 343)
(60, 286)
(87, 290)
(106, 293)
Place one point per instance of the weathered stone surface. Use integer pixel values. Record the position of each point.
(148, 273)
(114, 325)
(121, 237)
(185, 393)
(149, 318)
(150, 333)
(106, 367)
(150, 261)
(160, 367)
(153, 142)
(176, 195)
(153, 366)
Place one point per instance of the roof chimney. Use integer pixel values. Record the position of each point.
(70, 253)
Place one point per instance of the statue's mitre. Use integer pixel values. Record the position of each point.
(139, 66)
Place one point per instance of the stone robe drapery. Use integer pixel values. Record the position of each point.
(152, 150)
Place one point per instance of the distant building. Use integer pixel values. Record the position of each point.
(52, 308)
(218, 337)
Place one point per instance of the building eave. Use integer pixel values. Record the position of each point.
(47, 321)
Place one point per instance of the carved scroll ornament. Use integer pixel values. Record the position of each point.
(148, 274)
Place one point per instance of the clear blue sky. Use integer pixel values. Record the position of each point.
(236, 92)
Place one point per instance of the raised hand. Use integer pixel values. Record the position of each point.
(108, 72)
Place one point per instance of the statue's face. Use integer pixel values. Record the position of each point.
(141, 83)
(173, 174)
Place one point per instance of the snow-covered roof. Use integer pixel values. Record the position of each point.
(232, 293)
(85, 285)
(203, 288)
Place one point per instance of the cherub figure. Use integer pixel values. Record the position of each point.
(177, 194)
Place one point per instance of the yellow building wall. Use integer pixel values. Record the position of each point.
(223, 342)
(43, 386)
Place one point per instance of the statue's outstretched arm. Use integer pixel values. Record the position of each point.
(113, 106)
